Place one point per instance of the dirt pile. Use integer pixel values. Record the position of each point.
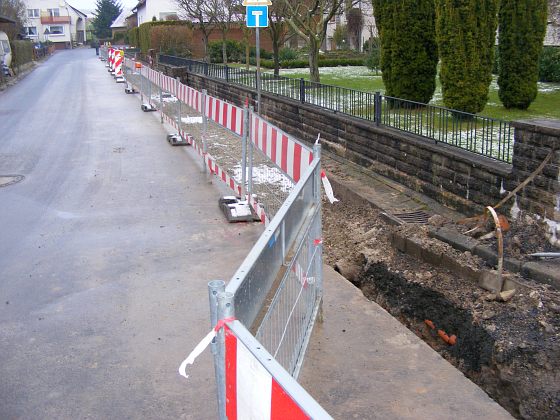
(511, 349)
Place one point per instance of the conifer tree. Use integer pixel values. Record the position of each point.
(408, 48)
(466, 31)
(522, 27)
(105, 14)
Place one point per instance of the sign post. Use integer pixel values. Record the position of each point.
(257, 17)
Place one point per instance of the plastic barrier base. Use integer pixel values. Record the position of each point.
(237, 210)
(120, 79)
(148, 108)
(176, 140)
(129, 89)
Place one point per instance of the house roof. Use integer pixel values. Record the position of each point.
(120, 21)
(138, 5)
(6, 19)
(77, 11)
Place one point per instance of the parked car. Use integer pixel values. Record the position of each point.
(5, 53)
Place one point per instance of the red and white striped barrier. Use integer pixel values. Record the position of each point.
(190, 97)
(287, 153)
(251, 391)
(225, 114)
(119, 63)
(259, 210)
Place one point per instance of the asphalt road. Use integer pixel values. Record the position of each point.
(106, 248)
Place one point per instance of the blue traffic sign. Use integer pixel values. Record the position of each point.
(257, 16)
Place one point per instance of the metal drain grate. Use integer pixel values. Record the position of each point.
(419, 217)
(6, 180)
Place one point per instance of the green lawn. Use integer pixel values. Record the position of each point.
(546, 105)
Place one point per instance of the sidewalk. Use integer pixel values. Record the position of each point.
(363, 363)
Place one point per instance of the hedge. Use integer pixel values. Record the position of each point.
(22, 53)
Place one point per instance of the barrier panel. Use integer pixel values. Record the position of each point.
(276, 293)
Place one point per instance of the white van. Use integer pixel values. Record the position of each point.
(5, 51)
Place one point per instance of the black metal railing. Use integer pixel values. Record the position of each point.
(485, 136)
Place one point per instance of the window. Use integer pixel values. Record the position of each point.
(56, 30)
(31, 31)
(6, 46)
(32, 13)
(54, 12)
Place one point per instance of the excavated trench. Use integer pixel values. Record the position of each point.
(510, 349)
(515, 373)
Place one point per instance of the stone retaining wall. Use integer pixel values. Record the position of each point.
(457, 178)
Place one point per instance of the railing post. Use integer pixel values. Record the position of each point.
(215, 288)
(225, 310)
(302, 90)
(206, 69)
(204, 130)
(377, 108)
(227, 73)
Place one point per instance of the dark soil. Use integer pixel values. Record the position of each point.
(510, 349)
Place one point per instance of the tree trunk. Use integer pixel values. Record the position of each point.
(276, 56)
(205, 37)
(224, 48)
(314, 60)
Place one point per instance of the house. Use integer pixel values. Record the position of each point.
(368, 28)
(147, 10)
(55, 21)
(120, 24)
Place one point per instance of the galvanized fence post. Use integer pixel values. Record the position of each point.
(215, 288)
(225, 310)
(204, 131)
(161, 100)
(149, 88)
(141, 85)
(177, 83)
(244, 151)
(250, 143)
(318, 233)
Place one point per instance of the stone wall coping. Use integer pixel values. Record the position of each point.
(548, 127)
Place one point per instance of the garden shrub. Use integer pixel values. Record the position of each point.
(549, 65)
(287, 54)
(235, 51)
(172, 40)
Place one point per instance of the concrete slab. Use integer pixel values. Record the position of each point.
(362, 363)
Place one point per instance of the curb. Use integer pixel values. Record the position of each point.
(547, 272)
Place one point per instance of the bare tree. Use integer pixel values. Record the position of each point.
(277, 30)
(225, 14)
(309, 19)
(200, 14)
(16, 10)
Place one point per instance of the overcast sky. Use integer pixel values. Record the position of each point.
(90, 4)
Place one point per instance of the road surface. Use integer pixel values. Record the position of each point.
(106, 247)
